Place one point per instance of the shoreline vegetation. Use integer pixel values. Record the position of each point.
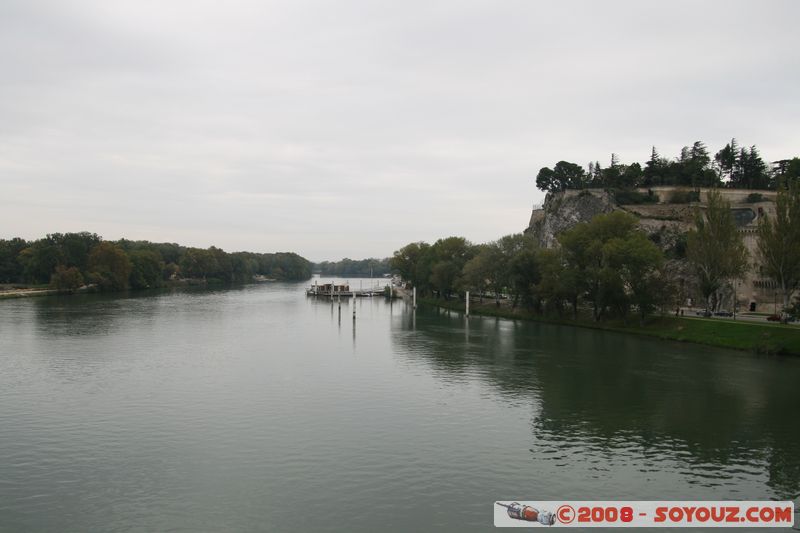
(354, 268)
(608, 273)
(64, 263)
(733, 166)
(767, 339)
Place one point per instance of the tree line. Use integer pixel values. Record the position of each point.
(732, 166)
(354, 268)
(68, 261)
(608, 265)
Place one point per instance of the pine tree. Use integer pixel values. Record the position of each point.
(652, 170)
(754, 174)
(726, 160)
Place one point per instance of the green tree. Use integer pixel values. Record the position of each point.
(40, 260)
(524, 274)
(653, 170)
(75, 247)
(697, 169)
(698, 155)
(753, 173)
(11, 270)
(109, 266)
(582, 247)
(243, 266)
(557, 282)
(224, 269)
(444, 276)
(612, 176)
(632, 176)
(477, 272)
(409, 262)
(779, 242)
(448, 259)
(146, 269)
(350, 268)
(638, 263)
(727, 160)
(787, 171)
(66, 279)
(792, 173)
(715, 248)
(198, 263)
(564, 175)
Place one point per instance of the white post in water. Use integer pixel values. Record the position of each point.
(414, 297)
(467, 298)
(354, 307)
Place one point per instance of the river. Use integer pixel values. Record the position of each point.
(259, 409)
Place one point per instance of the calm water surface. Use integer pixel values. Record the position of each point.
(257, 409)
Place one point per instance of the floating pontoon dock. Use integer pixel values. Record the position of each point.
(332, 290)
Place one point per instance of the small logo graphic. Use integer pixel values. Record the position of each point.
(565, 514)
(644, 513)
(527, 513)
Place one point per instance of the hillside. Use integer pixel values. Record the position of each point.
(665, 214)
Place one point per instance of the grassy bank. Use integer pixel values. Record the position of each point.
(739, 335)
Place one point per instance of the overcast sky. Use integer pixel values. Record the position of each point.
(339, 128)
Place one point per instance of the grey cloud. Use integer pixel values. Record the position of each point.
(351, 128)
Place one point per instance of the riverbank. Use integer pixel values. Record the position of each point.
(25, 293)
(751, 336)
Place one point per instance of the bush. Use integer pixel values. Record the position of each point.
(628, 197)
(682, 196)
(754, 197)
(66, 279)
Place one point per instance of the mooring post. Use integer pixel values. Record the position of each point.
(354, 306)
(467, 299)
(414, 297)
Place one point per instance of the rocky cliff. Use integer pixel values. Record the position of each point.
(563, 210)
(666, 224)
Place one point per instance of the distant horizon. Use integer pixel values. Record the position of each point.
(337, 259)
(350, 129)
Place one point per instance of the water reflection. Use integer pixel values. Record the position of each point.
(59, 316)
(603, 403)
